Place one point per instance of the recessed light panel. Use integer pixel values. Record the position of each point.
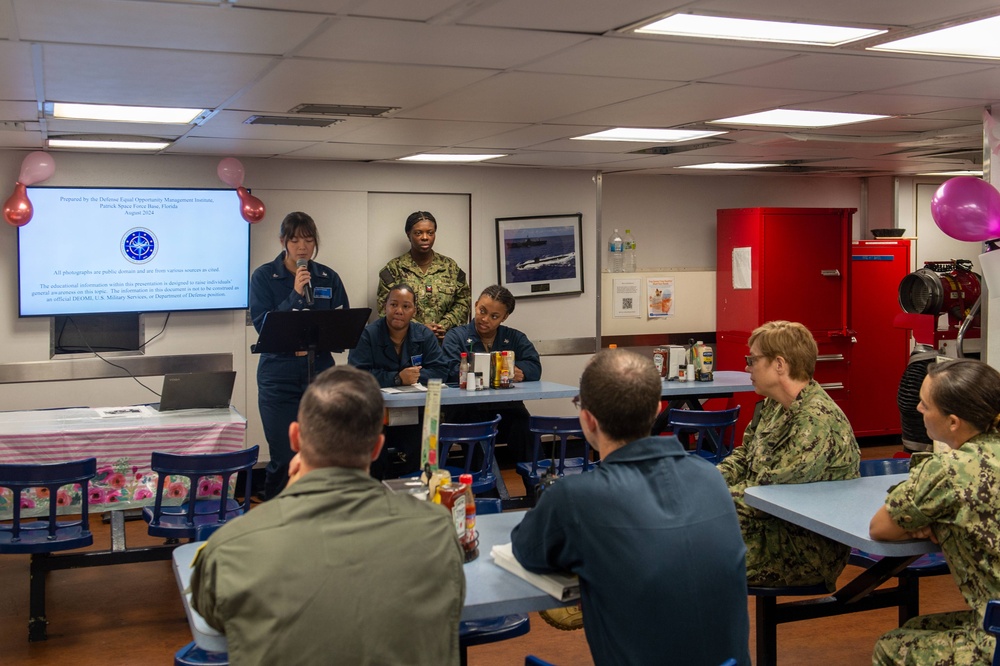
(794, 118)
(728, 166)
(129, 114)
(724, 27)
(647, 135)
(89, 144)
(969, 40)
(441, 157)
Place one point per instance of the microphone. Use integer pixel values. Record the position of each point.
(308, 296)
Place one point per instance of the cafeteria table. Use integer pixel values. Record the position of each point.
(841, 510)
(489, 590)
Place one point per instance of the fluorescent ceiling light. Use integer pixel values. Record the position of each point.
(965, 172)
(107, 144)
(724, 27)
(728, 165)
(129, 114)
(793, 118)
(647, 135)
(441, 157)
(970, 40)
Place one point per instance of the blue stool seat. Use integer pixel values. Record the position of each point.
(991, 623)
(192, 655)
(479, 632)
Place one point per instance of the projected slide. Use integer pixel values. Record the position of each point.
(89, 250)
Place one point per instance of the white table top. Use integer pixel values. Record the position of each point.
(75, 419)
(490, 591)
(839, 510)
(452, 396)
(725, 382)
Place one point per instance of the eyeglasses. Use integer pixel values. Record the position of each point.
(753, 359)
(576, 402)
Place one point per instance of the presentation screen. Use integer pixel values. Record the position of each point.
(106, 250)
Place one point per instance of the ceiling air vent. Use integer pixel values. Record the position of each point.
(345, 110)
(290, 121)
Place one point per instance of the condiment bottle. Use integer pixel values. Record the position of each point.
(463, 370)
(504, 372)
(497, 370)
(453, 499)
(469, 542)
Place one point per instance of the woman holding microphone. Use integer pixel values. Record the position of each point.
(293, 281)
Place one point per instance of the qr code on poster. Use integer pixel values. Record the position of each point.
(627, 303)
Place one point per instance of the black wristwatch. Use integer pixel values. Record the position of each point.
(397, 380)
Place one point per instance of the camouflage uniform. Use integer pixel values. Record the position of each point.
(810, 441)
(954, 493)
(443, 294)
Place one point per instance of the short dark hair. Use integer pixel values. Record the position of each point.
(419, 216)
(298, 224)
(791, 341)
(622, 390)
(969, 389)
(340, 418)
(501, 295)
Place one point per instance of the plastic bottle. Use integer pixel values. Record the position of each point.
(463, 370)
(469, 542)
(629, 246)
(616, 252)
(707, 364)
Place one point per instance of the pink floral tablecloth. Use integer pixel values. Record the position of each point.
(123, 449)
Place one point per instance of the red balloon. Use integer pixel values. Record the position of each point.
(17, 210)
(251, 208)
(230, 172)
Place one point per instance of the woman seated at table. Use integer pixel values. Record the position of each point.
(486, 333)
(399, 352)
(951, 498)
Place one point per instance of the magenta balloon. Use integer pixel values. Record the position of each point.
(17, 210)
(231, 172)
(36, 167)
(967, 209)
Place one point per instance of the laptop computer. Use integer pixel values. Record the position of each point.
(197, 390)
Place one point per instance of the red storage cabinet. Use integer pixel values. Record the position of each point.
(799, 270)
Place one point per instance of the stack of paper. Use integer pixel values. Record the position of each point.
(564, 587)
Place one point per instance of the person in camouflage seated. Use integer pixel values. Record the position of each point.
(443, 295)
(951, 498)
(798, 435)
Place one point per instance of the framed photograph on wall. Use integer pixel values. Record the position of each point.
(541, 255)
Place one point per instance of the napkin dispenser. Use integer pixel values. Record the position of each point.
(676, 357)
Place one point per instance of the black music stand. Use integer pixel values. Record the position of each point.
(311, 331)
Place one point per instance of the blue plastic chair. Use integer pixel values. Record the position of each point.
(991, 623)
(715, 430)
(471, 438)
(564, 429)
(192, 655)
(41, 537)
(493, 629)
(183, 522)
(532, 660)
(931, 564)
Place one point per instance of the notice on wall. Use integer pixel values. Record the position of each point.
(626, 297)
(741, 268)
(660, 292)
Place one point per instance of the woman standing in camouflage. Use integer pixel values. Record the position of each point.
(443, 294)
(951, 498)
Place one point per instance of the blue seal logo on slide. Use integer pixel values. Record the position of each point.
(139, 245)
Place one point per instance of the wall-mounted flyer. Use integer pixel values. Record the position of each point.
(660, 294)
(627, 296)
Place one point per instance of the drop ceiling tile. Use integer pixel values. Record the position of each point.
(229, 125)
(541, 158)
(403, 131)
(375, 40)
(16, 82)
(523, 97)
(242, 147)
(586, 16)
(531, 135)
(402, 9)
(355, 151)
(217, 27)
(145, 77)
(983, 84)
(847, 73)
(300, 81)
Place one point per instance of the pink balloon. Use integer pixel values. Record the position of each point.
(967, 209)
(36, 167)
(18, 210)
(231, 172)
(251, 208)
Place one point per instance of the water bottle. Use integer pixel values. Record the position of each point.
(629, 251)
(616, 251)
